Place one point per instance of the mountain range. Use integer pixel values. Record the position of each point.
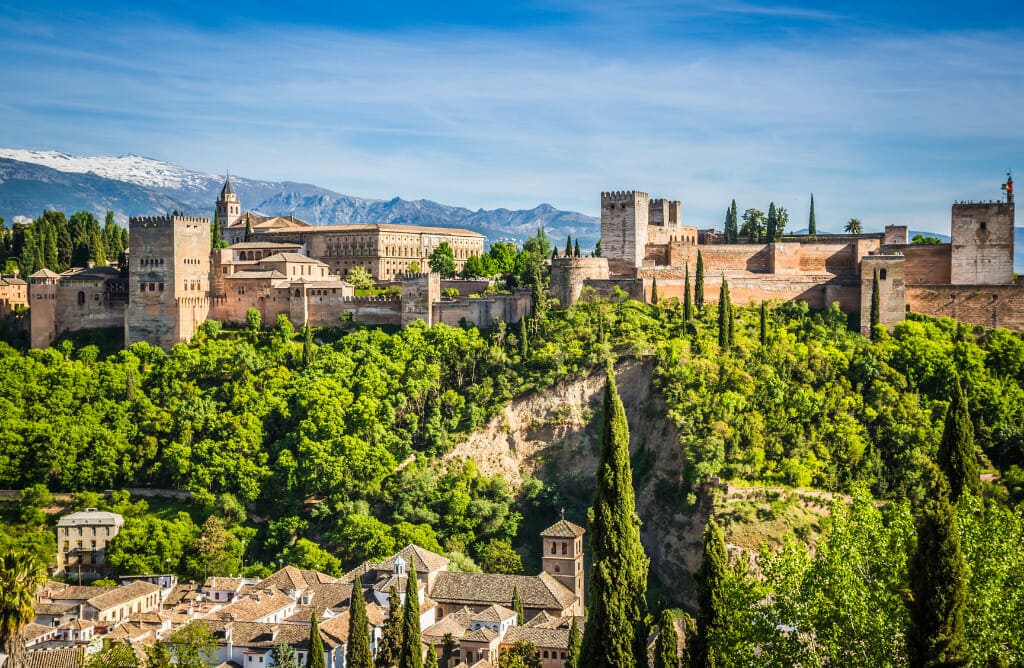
(132, 185)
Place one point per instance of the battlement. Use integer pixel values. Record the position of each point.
(381, 299)
(156, 221)
(412, 276)
(623, 196)
(658, 201)
(569, 262)
(960, 204)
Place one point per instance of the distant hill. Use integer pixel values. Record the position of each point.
(131, 185)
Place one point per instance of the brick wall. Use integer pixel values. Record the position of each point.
(926, 263)
(986, 305)
(569, 274)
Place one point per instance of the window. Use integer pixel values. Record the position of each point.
(563, 549)
(553, 549)
(983, 225)
(558, 569)
(81, 298)
(881, 274)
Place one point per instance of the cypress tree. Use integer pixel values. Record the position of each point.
(524, 339)
(568, 246)
(576, 248)
(430, 661)
(698, 288)
(554, 254)
(734, 223)
(654, 291)
(597, 249)
(666, 647)
(773, 222)
(517, 605)
(875, 304)
(764, 324)
(308, 351)
(575, 642)
(711, 612)
(357, 653)
(411, 655)
(616, 630)
(957, 455)
(938, 583)
(687, 303)
(812, 225)
(391, 637)
(315, 656)
(248, 230)
(725, 327)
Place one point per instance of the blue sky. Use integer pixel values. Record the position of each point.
(886, 111)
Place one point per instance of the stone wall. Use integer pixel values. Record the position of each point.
(746, 289)
(484, 311)
(986, 305)
(982, 240)
(891, 290)
(76, 302)
(605, 288)
(419, 292)
(568, 275)
(624, 220)
(926, 263)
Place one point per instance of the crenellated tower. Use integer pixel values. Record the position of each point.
(982, 241)
(624, 219)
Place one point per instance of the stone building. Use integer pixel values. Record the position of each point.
(13, 293)
(82, 540)
(971, 278)
(81, 298)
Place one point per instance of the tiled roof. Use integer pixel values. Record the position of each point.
(388, 227)
(115, 596)
(336, 628)
(246, 245)
(457, 623)
(58, 657)
(482, 634)
(291, 578)
(11, 281)
(45, 273)
(91, 517)
(273, 273)
(557, 638)
(33, 631)
(59, 591)
(539, 591)
(291, 257)
(376, 614)
(257, 604)
(265, 636)
(563, 529)
(53, 608)
(494, 614)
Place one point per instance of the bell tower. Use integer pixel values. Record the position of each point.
(562, 543)
(229, 209)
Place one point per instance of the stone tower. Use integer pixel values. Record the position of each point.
(891, 290)
(42, 298)
(229, 209)
(169, 290)
(982, 242)
(624, 219)
(562, 543)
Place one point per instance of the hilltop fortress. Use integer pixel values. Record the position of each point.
(643, 241)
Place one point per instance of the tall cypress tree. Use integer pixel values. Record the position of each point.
(517, 605)
(568, 246)
(357, 652)
(876, 304)
(773, 222)
(666, 647)
(576, 248)
(411, 655)
(734, 223)
(957, 454)
(712, 608)
(315, 656)
(812, 225)
(725, 327)
(248, 230)
(597, 248)
(308, 351)
(431, 660)
(575, 643)
(524, 339)
(391, 637)
(687, 302)
(698, 288)
(764, 324)
(938, 582)
(616, 630)
(654, 290)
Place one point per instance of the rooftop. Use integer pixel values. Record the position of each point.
(536, 591)
(563, 528)
(90, 517)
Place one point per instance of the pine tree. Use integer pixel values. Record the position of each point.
(357, 651)
(391, 637)
(576, 248)
(875, 304)
(597, 249)
(957, 453)
(773, 222)
(725, 327)
(812, 225)
(575, 641)
(616, 630)
(938, 583)
(687, 302)
(411, 655)
(654, 291)
(517, 605)
(666, 648)
(698, 288)
(315, 656)
(764, 324)
(711, 613)
(430, 661)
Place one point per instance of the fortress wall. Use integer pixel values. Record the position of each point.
(568, 276)
(466, 287)
(656, 255)
(484, 311)
(657, 234)
(605, 288)
(722, 257)
(745, 289)
(982, 243)
(825, 258)
(987, 305)
(926, 264)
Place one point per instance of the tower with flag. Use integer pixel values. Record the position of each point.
(1008, 188)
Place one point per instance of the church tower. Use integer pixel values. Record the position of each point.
(229, 209)
(563, 555)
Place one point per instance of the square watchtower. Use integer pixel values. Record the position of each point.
(624, 220)
(563, 556)
(982, 242)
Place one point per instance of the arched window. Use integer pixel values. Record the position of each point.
(554, 549)
(564, 549)
(81, 298)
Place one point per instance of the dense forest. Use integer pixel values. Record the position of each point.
(322, 449)
(58, 243)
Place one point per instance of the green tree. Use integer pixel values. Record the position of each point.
(616, 630)
(654, 291)
(357, 651)
(431, 660)
(712, 611)
(308, 555)
(731, 225)
(957, 456)
(253, 320)
(31, 503)
(411, 655)
(575, 645)
(753, 226)
(812, 224)
(568, 246)
(763, 338)
(666, 647)
(920, 239)
(698, 288)
(504, 255)
(876, 307)
(283, 656)
(781, 221)
(248, 230)
(687, 301)
(113, 655)
(159, 656)
(308, 349)
(413, 267)
(391, 642)
(442, 260)
(725, 326)
(524, 339)
(523, 654)
(20, 575)
(517, 605)
(597, 249)
(576, 248)
(772, 225)
(853, 226)
(938, 578)
(315, 656)
(193, 646)
(361, 279)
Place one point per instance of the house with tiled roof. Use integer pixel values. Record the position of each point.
(56, 657)
(225, 590)
(552, 644)
(263, 605)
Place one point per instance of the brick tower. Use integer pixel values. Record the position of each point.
(42, 298)
(229, 209)
(562, 543)
(982, 241)
(624, 218)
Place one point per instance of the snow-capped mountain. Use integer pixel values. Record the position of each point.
(130, 185)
